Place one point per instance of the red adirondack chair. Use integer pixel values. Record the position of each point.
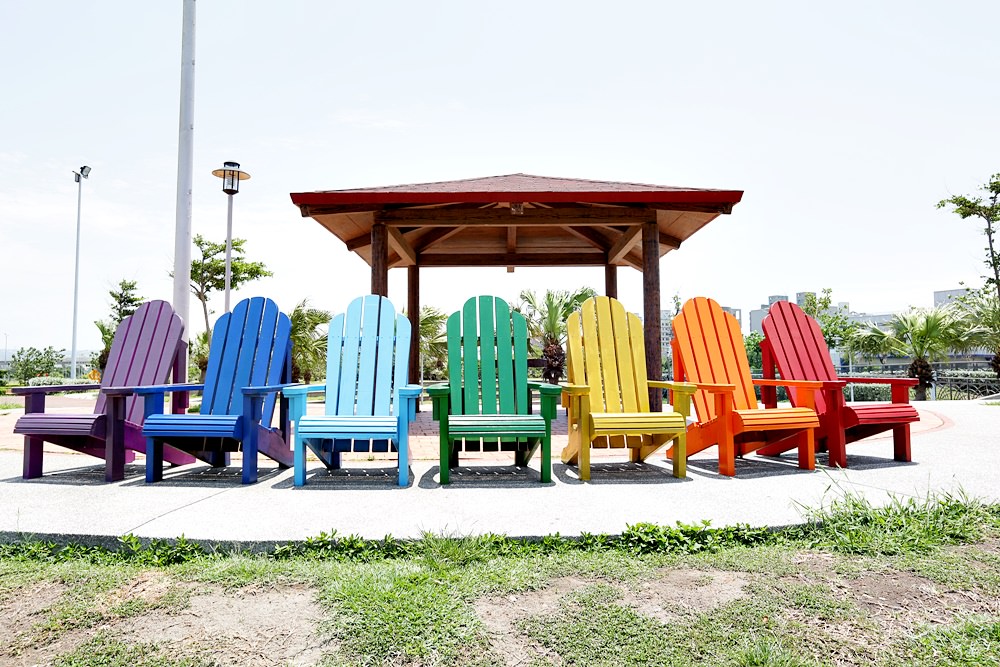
(144, 351)
(794, 345)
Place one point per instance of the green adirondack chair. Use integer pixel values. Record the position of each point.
(486, 403)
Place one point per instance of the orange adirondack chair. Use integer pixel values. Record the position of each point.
(608, 393)
(793, 342)
(708, 350)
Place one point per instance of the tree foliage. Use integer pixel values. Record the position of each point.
(208, 272)
(983, 307)
(987, 209)
(309, 337)
(752, 343)
(837, 329)
(30, 362)
(433, 344)
(547, 324)
(924, 335)
(124, 302)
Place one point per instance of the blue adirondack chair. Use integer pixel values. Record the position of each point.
(249, 362)
(369, 404)
(145, 349)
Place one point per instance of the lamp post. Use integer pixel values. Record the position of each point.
(78, 176)
(231, 177)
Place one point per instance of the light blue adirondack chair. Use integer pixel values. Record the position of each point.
(249, 363)
(369, 404)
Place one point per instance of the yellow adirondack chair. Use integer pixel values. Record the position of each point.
(608, 392)
(708, 350)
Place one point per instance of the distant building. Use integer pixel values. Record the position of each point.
(771, 300)
(800, 298)
(735, 312)
(943, 297)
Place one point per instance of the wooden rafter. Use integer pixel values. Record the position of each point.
(402, 247)
(624, 244)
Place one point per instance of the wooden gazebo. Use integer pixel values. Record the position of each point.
(518, 220)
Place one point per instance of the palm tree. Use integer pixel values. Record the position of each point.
(308, 337)
(547, 324)
(983, 308)
(433, 343)
(923, 335)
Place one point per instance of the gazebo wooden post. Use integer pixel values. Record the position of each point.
(380, 259)
(651, 308)
(611, 281)
(413, 312)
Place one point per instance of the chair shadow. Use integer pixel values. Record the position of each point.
(207, 476)
(618, 472)
(752, 467)
(861, 462)
(347, 478)
(484, 476)
(90, 475)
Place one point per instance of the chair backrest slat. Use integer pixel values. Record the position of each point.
(606, 351)
(142, 353)
(488, 358)
(250, 347)
(709, 348)
(799, 349)
(368, 351)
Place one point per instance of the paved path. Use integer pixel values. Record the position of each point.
(955, 446)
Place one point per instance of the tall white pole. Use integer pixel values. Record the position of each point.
(76, 277)
(229, 250)
(185, 169)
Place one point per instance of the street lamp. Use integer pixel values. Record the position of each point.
(231, 177)
(78, 176)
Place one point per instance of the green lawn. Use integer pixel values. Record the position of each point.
(915, 583)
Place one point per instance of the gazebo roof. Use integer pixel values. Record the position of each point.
(515, 219)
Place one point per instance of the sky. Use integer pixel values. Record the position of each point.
(844, 123)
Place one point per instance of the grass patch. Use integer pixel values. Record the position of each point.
(678, 595)
(852, 524)
(973, 643)
(105, 651)
(10, 406)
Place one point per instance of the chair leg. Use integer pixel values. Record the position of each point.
(727, 453)
(901, 442)
(680, 455)
(300, 461)
(547, 460)
(403, 448)
(32, 457)
(807, 450)
(154, 460)
(445, 460)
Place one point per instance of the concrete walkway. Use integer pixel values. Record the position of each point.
(955, 446)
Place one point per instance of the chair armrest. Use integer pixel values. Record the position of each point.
(545, 389)
(679, 387)
(437, 390)
(303, 389)
(714, 388)
(902, 382)
(264, 390)
(410, 391)
(575, 389)
(151, 389)
(798, 384)
(53, 389)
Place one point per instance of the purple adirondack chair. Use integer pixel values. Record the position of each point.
(145, 350)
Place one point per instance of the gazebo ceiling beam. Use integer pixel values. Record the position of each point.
(512, 259)
(503, 218)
